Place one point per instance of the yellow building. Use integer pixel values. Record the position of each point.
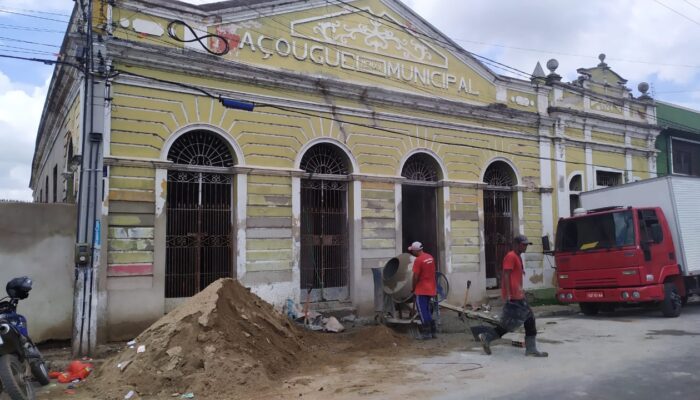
(370, 130)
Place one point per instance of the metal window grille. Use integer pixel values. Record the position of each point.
(199, 232)
(201, 148)
(420, 167)
(605, 178)
(324, 225)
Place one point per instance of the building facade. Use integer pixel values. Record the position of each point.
(370, 130)
(679, 141)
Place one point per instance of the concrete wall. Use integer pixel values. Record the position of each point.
(37, 240)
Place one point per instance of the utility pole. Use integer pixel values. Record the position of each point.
(90, 197)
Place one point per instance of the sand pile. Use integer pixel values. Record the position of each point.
(219, 342)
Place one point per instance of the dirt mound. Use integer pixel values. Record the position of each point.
(220, 340)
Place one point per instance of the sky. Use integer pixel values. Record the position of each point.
(654, 41)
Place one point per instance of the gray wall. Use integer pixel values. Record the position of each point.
(37, 240)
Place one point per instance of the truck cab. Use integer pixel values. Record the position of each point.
(618, 255)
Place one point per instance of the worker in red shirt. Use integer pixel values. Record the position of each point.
(424, 288)
(516, 311)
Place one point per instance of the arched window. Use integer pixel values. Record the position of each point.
(199, 235)
(201, 148)
(500, 174)
(325, 159)
(575, 185)
(324, 266)
(421, 167)
(575, 188)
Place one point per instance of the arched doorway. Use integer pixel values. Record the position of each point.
(419, 211)
(498, 218)
(199, 231)
(575, 188)
(324, 224)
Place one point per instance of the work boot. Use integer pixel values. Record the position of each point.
(485, 338)
(531, 348)
(423, 332)
(433, 330)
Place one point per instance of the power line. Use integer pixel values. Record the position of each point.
(374, 127)
(25, 49)
(404, 28)
(41, 60)
(29, 42)
(432, 38)
(32, 16)
(33, 11)
(691, 4)
(29, 28)
(574, 55)
(441, 41)
(457, 48)
(677, 12)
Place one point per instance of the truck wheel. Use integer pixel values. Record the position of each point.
(588, 308)
(672, 303)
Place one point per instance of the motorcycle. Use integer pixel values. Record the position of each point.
(20, 360)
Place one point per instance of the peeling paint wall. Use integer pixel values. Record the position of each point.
(269, 229)
(466, 240)
(379, 230)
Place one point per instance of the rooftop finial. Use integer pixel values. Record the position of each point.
(643, 88)
(552, 66)
(601, 57)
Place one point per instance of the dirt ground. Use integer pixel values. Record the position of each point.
(227, 343)
(375, 357)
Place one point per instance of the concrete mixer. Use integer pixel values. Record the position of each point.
(394, 290)
(393, 295)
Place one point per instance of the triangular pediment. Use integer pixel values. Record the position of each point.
(378, 43)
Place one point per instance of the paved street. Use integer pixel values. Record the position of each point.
(631, 354)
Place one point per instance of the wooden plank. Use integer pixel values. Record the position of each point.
(483, 317)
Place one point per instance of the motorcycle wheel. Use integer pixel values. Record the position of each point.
(15, 378)
(40, 373)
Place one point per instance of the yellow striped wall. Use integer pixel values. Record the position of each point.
(466, 228)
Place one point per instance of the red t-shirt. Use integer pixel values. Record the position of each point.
(424, 268)
(513, 263)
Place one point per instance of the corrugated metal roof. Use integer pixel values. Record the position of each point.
(678, 118)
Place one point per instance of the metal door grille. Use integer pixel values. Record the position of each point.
(498, 218)
(419, 204)
(324, 239)
(199, 242)
(498, 231)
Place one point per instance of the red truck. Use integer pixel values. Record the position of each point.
(632, 244)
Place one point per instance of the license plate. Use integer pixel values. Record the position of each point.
(594, 295)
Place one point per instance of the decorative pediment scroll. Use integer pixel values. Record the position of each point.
(368, 32)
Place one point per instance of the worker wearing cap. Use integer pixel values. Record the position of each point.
(516, 308)
(424, 288)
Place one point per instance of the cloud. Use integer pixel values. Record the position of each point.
(575, 33)
(20, 112)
